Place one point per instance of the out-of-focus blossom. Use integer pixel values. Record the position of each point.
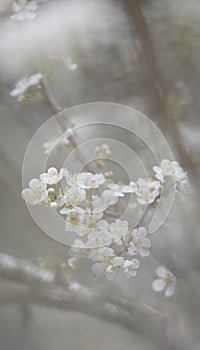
(140, 243)
(60, 139)
(69, 63)
(101, 153)
(24, 10)
(165, 282)
(23, 85)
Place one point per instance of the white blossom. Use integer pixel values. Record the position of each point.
(52, 176)
(92, 223)
(165, 282)
(107, 242)
(24, 10)
(172, 171)
(72, 179)
(74, 221)
(130, 267)
(119, 229)
(84, 180)
(104, 257)
(120, 189)
(74, 195)
(102, 203)
(140, 242)
(99, 238)
(36, 194)
(147, 190)
(22, 86)
(89, 180)
(103, 254)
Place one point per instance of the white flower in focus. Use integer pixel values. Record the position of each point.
(74, 221)
(130, 267)
(72, 179)
(52, 176)
(92, 223)
(119, 229)
(36, 194)
(89, 180)
(140, 242)
(120, 189)
(74, 196)
(166, 281)
(147, 191)
(23, 85)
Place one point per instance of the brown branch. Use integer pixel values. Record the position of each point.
(23, 271)
(48, 98)
(24, 282)
(158, 85)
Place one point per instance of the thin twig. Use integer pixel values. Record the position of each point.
(48, 98)
(157, 81)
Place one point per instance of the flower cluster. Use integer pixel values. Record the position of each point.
(87, 201)
(24, 85)
(173, 173)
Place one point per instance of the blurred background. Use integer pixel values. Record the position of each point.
(141, 53)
